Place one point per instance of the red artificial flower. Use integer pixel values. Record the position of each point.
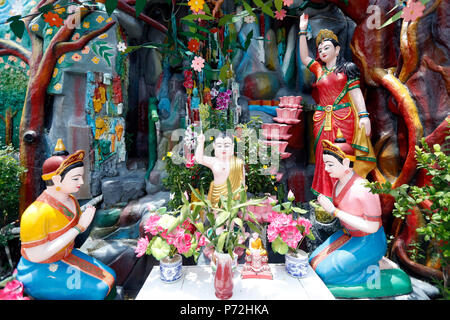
(187, 74)
(188, 84)
(53, 19)
(193, 45)
(214, 30)
(230, 50)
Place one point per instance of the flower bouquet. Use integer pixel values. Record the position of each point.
(171, 234)
(286, 234)
(225, 233)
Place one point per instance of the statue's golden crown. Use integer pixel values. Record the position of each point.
(327, 145)
(325, 34)
(55, 165)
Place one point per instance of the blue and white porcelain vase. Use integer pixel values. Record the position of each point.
(297, 263)
(170, 269)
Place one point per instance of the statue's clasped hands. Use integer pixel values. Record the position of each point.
(326, 203)
(87, 216)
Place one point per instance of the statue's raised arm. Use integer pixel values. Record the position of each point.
(303, 25)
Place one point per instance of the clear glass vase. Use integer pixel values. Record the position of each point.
(223, 280)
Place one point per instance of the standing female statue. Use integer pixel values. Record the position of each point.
(50, 268)
(340, 105)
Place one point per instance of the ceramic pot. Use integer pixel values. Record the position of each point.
(170, 269)
(297, 264)
(223, 279)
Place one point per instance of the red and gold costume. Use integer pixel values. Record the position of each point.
(335, 110)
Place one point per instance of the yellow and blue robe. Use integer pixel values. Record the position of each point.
(68, 274)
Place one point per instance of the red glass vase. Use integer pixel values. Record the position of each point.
(223, 280)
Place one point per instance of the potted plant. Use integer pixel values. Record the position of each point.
(286, 232)
(171, 234)
(225, 231)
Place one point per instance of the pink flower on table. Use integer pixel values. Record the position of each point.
(13, 290)
(183, 242)
(201, 239)
(288, 3)
(169, 237)
(141, 247)
(151, 226)
(279, 15)
(198, 63)
(291, 235)
(412, 11)
(305, 223)
(272, 216)
(272, 232)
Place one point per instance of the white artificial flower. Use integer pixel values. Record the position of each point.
(249, 19)
(121, 46)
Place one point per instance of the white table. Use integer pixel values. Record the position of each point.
(197, 283)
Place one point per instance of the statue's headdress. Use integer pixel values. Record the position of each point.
(60, 160)
(340, 148)
(325, 34)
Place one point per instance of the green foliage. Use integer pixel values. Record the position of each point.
(258, 179)
(230, 216)
(436, 161)
(180, 177)
(13, 87)
(10, 172)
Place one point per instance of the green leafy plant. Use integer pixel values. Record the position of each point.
(433, 198)
(226, 224)
(258, 180)
(13, 86)
(10, 172)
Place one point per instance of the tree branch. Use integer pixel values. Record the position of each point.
(64, 47)
(125, 7)
(8, 47)
(439, 134)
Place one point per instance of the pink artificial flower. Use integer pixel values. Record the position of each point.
(291, 235)
(279, 15)
(305, 223)
(288, 3)
(200, 12)
(291, 196)
(151, 226)
(272, 216)
(169, 237)
(183, 242)
(272, 201)
(272, 232)
(201, 239)
(413, 11)
(141, 247)
(13, 290)
(198, 63)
